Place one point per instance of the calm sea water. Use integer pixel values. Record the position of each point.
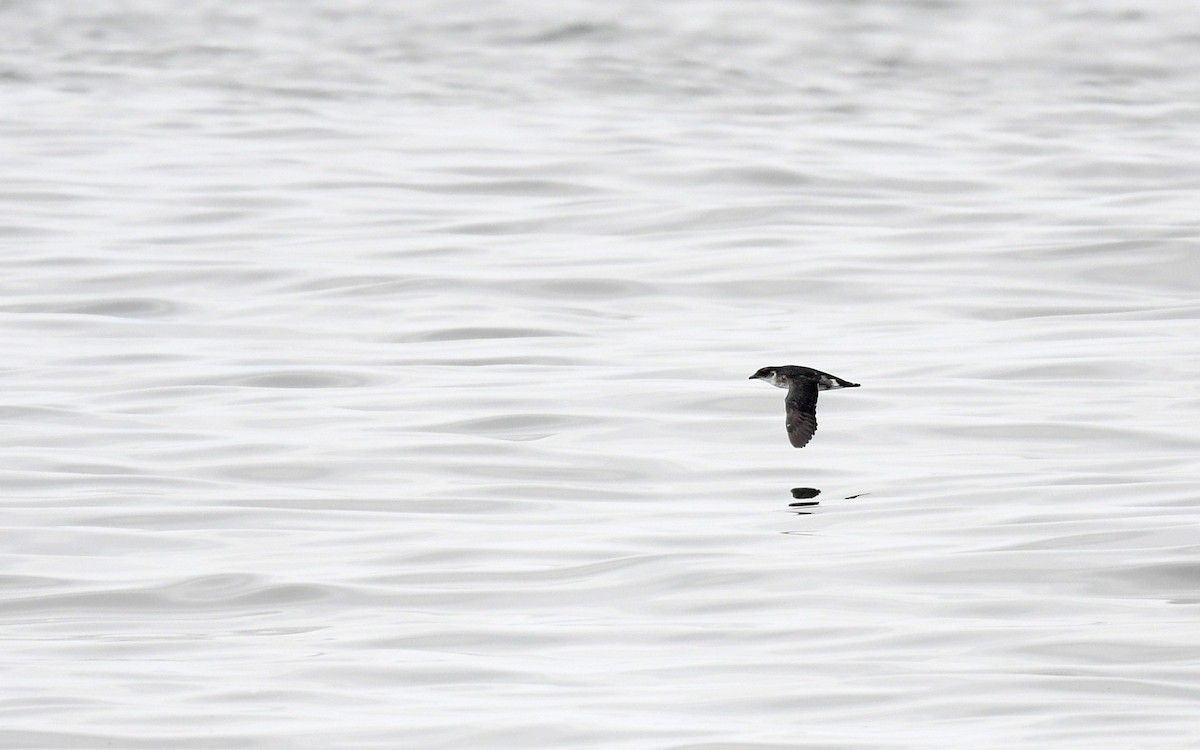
(376, 374)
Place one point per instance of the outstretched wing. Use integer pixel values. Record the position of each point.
(801, 406)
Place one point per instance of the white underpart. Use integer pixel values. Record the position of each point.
(829, 384)
(823, 383)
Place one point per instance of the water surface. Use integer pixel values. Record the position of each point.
(376, 376)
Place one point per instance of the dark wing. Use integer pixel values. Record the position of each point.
(801, 406)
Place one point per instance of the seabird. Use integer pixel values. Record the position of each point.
(803, 384)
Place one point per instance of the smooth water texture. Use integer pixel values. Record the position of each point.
(376, 375)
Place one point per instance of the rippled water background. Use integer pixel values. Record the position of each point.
(375, 374)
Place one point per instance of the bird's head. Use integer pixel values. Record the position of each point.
(772, 376)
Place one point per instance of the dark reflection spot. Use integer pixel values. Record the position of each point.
(803, 493)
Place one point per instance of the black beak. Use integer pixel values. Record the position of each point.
(753, 377)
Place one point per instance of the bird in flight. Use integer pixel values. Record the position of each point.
(800, 404)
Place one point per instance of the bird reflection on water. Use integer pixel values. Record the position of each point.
(805, 494)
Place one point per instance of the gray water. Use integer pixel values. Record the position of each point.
(375, 374)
